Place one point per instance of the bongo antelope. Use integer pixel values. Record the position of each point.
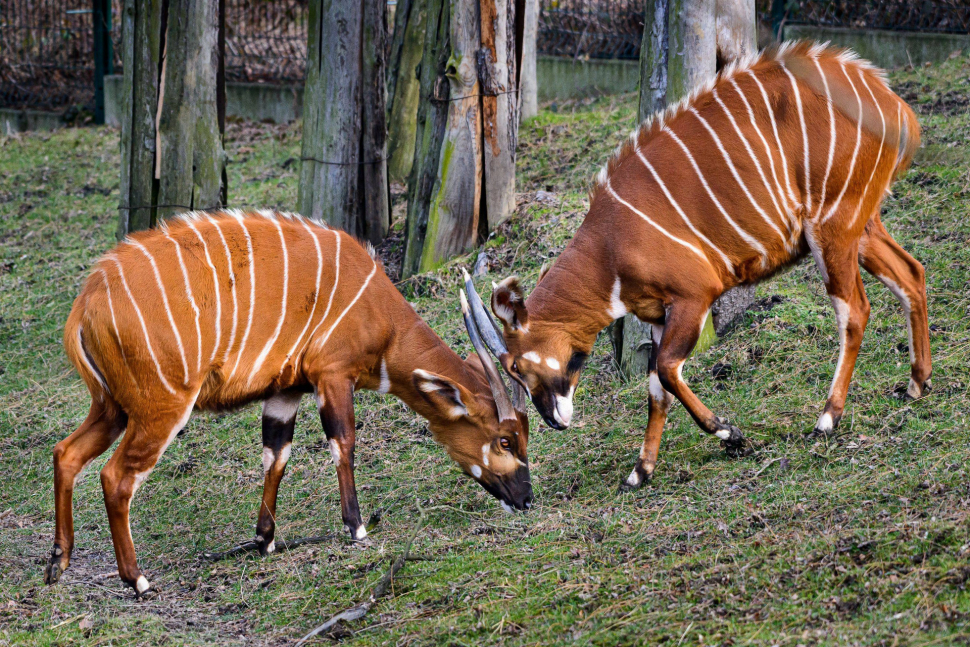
(782, 155)
(214, 310)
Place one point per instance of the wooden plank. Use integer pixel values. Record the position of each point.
(500, 120)
(528, 83)
(331, 115)
(141, 27)
(376, 215)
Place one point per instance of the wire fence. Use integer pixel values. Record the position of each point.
(46, 46)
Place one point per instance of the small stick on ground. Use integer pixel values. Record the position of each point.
(281, 546)
(358, 611)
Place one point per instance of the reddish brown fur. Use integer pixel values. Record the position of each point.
(353, 331)
(637, 252)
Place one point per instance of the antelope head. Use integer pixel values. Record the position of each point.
(485, 430)
(542, 360)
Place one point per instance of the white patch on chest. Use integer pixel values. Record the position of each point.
(617, 308)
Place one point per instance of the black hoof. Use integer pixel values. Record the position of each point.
(637, 479)
(264, 546)
(732, 440)
(53, 571)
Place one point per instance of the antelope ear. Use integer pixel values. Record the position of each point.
(444, 395)
(508, 304)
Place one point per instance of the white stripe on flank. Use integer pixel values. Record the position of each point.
(215, 284)
(316, 290)
(252, 289)
(333, 290)
(771, 158)
(663, 187)
(748, 238)
(609, 187)
(801, 119)
(855, 151)
(350, 305)
(232, 284)
(737, 176)
(774, 129)
(144, 328)
(279, 324)
(168, 310)
(882, 142)
(828, 165)
(114, 322)
(188, 293)
(782, 213)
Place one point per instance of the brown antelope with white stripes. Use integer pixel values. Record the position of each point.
(787, 154)
(214, 310)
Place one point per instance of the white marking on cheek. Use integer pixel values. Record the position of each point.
(335, 452)
(485, 450)
(142, 585)
(269, 457)
(532, 356)
(723, 434)
(824, 422)
(476, 471)
(506, 507)
(617, 308)
(385, 384)
(553, 363)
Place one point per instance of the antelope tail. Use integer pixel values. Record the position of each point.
(80, 356)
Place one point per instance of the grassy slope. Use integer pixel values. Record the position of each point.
(863, 539)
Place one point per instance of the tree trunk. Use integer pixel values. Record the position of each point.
(140, 50)
(172, 154)
(190, 154)
(344, 118)
(464, 158)
(529, 84)
(403, 85)
(684, 43)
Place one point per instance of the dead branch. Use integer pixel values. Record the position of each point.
(358, 611)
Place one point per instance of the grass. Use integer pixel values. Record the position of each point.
(862, 539)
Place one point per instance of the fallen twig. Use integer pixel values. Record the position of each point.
(765, 466)
(281, 546)
(358, 611)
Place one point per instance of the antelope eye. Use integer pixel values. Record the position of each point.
(504, 442)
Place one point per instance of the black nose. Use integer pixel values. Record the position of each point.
(552, 423)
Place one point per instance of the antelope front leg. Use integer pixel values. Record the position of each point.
(660, 401)
(337, 415)
(683, 326)
(279, 418)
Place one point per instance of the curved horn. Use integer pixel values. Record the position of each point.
(490, 331)
(503, 403)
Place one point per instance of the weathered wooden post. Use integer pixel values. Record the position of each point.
(403, 85)
(529, 86)
(464, 158)
(343, 179)
(171, 136)
(683, 43)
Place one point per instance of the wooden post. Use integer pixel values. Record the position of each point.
(684, 41)
(101, 23)
(141, 34)
(403, 85)
(528, 83)
(342, 132)
(464, 157)
(190, 155)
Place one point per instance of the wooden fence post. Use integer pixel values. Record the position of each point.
(404, 86)
(141, 52)
(171, 135)
(528, 85)
(464, 155)
(683, 43)
(343, 179)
